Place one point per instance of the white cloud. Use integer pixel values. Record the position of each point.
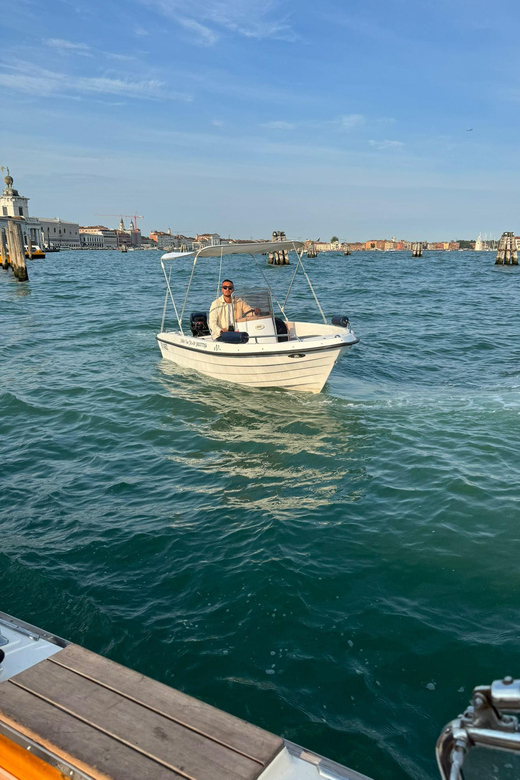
(84, 50)
(204, 34)
(352, 120)
(279, 125)
(386, 144)
(119, 57)
(250, 18)
(32, 80)
(68, 46)
(217, 122)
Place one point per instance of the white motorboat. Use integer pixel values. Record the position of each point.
(262, 349)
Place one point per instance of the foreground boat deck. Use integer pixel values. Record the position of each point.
(100, 720)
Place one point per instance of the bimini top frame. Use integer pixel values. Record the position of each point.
(253, 249)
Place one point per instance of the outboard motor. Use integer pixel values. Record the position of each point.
(234, 337)
(199, 323)
(341, 321)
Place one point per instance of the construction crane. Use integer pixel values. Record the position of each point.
(135, 217)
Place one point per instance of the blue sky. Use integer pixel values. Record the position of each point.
(347, 118)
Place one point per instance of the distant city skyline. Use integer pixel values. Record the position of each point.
(244, 117)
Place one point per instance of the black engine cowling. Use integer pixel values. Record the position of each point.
(199, 323)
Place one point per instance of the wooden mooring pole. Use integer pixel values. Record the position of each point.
(311, 250)
(417, 250)
(16, 251)
(507, 253)
(279, 258)
(3, 251)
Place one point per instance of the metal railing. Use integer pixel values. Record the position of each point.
(485, 723)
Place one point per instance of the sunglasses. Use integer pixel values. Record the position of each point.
(227, 287)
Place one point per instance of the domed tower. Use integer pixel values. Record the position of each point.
(12, 204)
(9, 181)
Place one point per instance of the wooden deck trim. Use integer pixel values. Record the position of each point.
(107, 733)
(201, 720)
(142, 703)
(41, 711)
(117, 723)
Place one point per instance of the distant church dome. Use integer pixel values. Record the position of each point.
(9, 190)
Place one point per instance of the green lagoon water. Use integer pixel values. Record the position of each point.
(341, 569)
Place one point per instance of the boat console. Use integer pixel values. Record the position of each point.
(258, 321)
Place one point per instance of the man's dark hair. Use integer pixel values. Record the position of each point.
(228, 280)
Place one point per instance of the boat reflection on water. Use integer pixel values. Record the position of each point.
(272, 450)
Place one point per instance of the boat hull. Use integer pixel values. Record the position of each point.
(296, 365)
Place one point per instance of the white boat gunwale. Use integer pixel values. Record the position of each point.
(29, 630)
(237, 352)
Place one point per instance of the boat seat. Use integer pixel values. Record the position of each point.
(112, 723)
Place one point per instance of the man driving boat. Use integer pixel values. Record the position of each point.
(225, 311)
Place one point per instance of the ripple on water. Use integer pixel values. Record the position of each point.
(335, 568)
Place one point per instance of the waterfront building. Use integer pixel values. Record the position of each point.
(91, 239)
(60, 233)
(208, 239)
(130, 237)
(16, 206)
(163, 240)
(183, 242)
(375, 245)
(205, 239)
(98, 237)
(447, 246)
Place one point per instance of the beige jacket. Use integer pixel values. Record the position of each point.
(219, 314)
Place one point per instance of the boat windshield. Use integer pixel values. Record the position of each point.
(252, 301)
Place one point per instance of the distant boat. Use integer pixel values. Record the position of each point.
(123, 248)
(36, 252)
(484, 244)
